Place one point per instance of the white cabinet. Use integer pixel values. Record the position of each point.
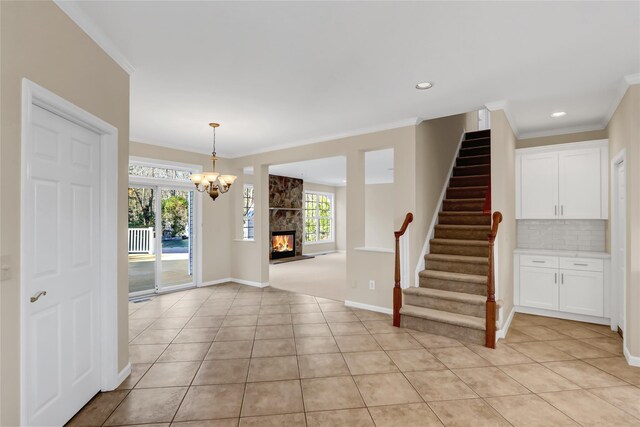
(570, 285)
(567, 181)
(539, 183)
(539, 287)
(582, 292)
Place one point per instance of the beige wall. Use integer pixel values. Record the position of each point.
(378, 216)
(341, 219)
(250, 260)
(322, 247)
(436, 147)
(624, 134)
(503, 196)
(562, 139)
(40, 43)
(216, 216)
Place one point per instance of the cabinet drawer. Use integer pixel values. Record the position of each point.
(584, 264)
(539, 261)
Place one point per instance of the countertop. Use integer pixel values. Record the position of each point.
(568, 254)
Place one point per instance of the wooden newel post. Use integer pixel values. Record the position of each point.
(490, 326)
(397, 290)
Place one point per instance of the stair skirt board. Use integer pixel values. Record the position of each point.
(451, 297)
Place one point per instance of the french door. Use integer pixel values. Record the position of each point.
(161, 238)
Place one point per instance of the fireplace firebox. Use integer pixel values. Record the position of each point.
(283, 244)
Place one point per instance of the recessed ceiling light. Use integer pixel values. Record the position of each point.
(559, 114)
(424, 85)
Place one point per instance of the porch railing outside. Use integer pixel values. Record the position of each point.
(141, 240)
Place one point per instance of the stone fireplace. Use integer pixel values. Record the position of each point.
(285, 215)
(283, 244)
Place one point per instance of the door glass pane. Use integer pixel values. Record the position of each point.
(142, 222)
(177, 242)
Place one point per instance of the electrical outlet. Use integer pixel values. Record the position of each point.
(372, 285)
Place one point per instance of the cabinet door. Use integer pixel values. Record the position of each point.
(582, 292)
(539, 186)
(579, 183)
(539, 287)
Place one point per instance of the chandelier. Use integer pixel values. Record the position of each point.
(212, 182)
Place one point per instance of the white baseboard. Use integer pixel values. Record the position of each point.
(215, 282)
(368, 307)
(119, 379)
(502, 332)
(319, 253)
(631, 360)
(233, 279)
(562, 315)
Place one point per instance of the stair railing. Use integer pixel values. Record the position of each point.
(397, 290)
(490, 329)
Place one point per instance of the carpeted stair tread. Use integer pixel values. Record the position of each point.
(457, 242)
(454, 277)
(458, 258)
(463, 213)
(444, 317)
(447, 295)
(464, 200)
(464, 227)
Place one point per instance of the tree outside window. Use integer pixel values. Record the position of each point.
(318, 217)
(247, 212)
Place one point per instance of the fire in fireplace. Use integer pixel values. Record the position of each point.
(283, 244)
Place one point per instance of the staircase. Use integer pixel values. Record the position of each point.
(452, 296)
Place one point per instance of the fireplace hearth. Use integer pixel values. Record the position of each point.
(283, 244)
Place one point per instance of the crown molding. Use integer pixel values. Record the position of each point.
(89, 27)
(625, 82)
(561, 131)
(331, 137)
(504, 106)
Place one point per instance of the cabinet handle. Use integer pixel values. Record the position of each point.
(562, 278)
(561, 210)
(555, 210)
(555, 280)
(539, 262)
(583, 265)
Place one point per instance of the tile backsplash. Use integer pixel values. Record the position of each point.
(578, 235)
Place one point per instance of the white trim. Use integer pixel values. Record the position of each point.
(332, 197)
(331, 137)
(320, 253)
(631, 360)
(122, 375)
(245, 240)
(364, 306)
(504, 106)
(250, 283)
(621, 157)
(434, 219)
(596, 143)
(215, 282)
(629, 80)
(562, 315)
(95, 33)
(33, 94)
(560, 131)
(502, 332)
(380, 250)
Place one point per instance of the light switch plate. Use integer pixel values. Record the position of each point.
(5, 267)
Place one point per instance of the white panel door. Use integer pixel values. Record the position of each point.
(582, 292)
(539, 186)
(539, 287)
(579, 181)
(61, 254)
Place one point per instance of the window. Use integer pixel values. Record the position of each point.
(318, 217)
(150, 171)
(247, 212)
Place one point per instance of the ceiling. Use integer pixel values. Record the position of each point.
(333, 170)
(279, 74)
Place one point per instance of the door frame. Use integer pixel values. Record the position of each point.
(617, 296)
(35, 95)
(197, 214)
